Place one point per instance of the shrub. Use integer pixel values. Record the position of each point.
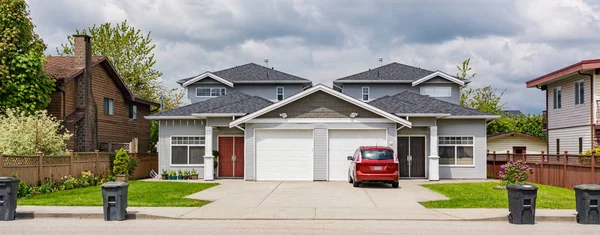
(65, 183)
(121, 163)
(515, 173)
(24, 134)
(133, 163)
(586, 158)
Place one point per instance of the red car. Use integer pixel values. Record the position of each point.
(373, 164)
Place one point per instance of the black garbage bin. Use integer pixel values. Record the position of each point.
(114, 197)
(9, 187)
(521, 203)
(587, 198)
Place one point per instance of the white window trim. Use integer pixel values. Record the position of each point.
(455, 150)
(277, 93)
(188, 151)
(434, 92)
(362, 93)
(578, 83)
(554, 96)
(224, 88)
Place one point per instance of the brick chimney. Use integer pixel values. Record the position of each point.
(86, 130)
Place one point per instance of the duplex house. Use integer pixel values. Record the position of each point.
(95, 104)
(283, 128)
(571, 119)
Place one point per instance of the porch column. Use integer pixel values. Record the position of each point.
(208, 156)
(434, 159)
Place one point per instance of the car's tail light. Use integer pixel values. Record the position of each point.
(395, 158)
(358, 158)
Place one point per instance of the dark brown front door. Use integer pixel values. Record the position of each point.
(231, 156)
(411, 154)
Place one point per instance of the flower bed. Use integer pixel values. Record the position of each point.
(68, 182)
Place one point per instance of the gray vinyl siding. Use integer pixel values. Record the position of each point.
(378, 90)
(320, 153)
(569, 139)
(266, 91)
(471, 127)
(422, 121)
(168, 128)
(569, 115)
(316, 127)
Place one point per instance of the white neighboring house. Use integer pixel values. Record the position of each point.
(516, 142)
(270, 125)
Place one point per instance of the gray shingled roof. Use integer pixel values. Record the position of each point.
(253, 72)
(512, 112)
(410, 102)
(235, 102)
(393, 71)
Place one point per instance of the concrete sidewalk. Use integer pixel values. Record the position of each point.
(195, 213)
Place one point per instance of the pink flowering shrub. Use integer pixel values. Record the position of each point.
(515, 172)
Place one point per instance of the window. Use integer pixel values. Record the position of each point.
(557, 98)
(580, 145)
(579, 93)
(279, 93)
(365, 93)
(436, 91)
(557, 146)
(109, 106)
(377, 155)
(133, 112)
(210, 91)
(456, 150)
(187, 150)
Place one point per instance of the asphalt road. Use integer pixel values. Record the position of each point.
(173, 227)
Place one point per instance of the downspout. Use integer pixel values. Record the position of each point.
(591, 105)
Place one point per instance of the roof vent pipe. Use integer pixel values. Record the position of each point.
(267, 62)
(380, 61)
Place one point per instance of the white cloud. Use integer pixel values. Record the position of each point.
(509, 41)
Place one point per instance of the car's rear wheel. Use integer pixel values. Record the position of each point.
(395, 184)
(356, 184)
(350, 179)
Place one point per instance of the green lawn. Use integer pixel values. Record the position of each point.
(483, 195)
(141, 194)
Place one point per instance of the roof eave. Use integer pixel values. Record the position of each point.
(205, 115)
(373, 81)
(436, 115)
(582, 65)
(170, 117)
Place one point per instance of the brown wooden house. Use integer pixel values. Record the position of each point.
(95, 104)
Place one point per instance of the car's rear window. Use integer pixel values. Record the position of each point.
(378, 154)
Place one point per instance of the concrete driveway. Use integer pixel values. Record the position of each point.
(334, 200)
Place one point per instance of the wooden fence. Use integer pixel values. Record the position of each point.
(36, 168)
(562, 170)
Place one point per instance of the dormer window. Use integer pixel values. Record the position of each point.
(365, 93)
(436, 91)
(210, 91)
(279, 93)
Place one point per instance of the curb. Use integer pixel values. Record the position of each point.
(135, 216)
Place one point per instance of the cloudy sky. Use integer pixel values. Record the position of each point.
(508, 42)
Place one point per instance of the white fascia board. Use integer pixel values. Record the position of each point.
(275, 82)
(320, 120)
(441, 74)
(436, 115)
(205, 75)
(205, 115)
(486, 117)
(373, 81)
(169, 117)
(321, 87)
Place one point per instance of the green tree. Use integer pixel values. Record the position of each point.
(23, 83)
(463, 73)
(485, 99)
(130, 52)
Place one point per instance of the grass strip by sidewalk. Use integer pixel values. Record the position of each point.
(483, 195)
(141, 194)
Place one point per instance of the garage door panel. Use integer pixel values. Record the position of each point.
(343, 143)
(284, 154)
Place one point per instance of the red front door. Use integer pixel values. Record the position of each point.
(231, 156)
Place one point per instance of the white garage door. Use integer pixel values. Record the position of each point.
(343, 143)
(284, 155)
